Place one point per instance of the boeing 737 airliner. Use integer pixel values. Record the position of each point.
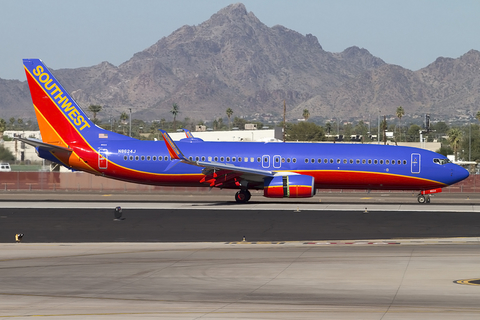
(292, 170)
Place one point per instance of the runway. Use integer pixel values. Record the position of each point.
(187, 259)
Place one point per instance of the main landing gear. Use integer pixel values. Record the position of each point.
(423, 199)
(243, 196)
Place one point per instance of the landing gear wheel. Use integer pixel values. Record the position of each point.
(242, 196)
(428, 199)
(421, 199)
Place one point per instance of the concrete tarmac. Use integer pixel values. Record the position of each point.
(313, 259)
(241, 281)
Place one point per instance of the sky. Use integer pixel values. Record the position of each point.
(83, 33)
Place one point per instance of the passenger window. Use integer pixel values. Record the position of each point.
(351, 161)
(228, 159)
(221, 159)
(404, 161)
(369, 161)
(197, 158)
(393, 161)
(375, 161)
(364, 161)
(143, 158)
(148, 158)
(258, 159)
(325, 160)
(399, 162)
(277, 160)
(246, 159)
(344, 160)
(239, 159)
(387, 161)
(331, 160)
(358, 161)
(160, 158)
(338, 160)
(234, 159)
(136, 158)
(165, 158)
(252, 159)
(125, 157)
(294, 160)
(306, 160)
(154, 158)
(319, 160)
(288, 160)
(381, 161)
(131, 157)
(216, 158)
(190, 158)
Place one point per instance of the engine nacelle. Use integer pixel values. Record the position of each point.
(294, 186)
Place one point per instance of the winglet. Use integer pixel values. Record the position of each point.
(175, 153)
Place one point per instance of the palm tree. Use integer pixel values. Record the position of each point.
(93, 108)
(400, 114)
(306, 114)
(124, 118)
(175, 110)
(454, 137)
(229, 114)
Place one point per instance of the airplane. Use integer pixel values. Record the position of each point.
(280, 169)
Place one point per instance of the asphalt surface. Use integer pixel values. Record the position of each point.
(206, 225)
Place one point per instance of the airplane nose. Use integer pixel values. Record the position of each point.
(461, 174)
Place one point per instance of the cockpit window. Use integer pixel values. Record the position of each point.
(441, 161)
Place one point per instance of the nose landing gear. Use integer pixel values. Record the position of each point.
(423, 199)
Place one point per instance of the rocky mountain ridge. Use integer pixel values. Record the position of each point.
(235, 61)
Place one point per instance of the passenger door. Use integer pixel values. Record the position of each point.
(415, 163)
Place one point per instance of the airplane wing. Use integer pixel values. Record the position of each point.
(219, 174)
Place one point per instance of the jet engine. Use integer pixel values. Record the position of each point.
(293, 186)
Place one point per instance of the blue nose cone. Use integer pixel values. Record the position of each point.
(460, 174)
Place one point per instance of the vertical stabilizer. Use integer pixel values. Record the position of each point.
(60, 119)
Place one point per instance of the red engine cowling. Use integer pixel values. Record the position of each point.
(294, 186)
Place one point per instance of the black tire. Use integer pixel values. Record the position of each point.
(421, 199)
(241, 197)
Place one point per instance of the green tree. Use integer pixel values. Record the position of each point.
(400, 113)
(478, 116)
(306, 114)
(229, 114)
(175, 111)
(123, 119)
(413, 133)
(93, 108)
(328, 127)
(304, 131)
(5, 154)
(3, 127)
(11, 122)
(455, 137)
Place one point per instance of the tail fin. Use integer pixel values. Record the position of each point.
(60, 119)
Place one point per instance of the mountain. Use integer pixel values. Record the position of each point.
(235, 61)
